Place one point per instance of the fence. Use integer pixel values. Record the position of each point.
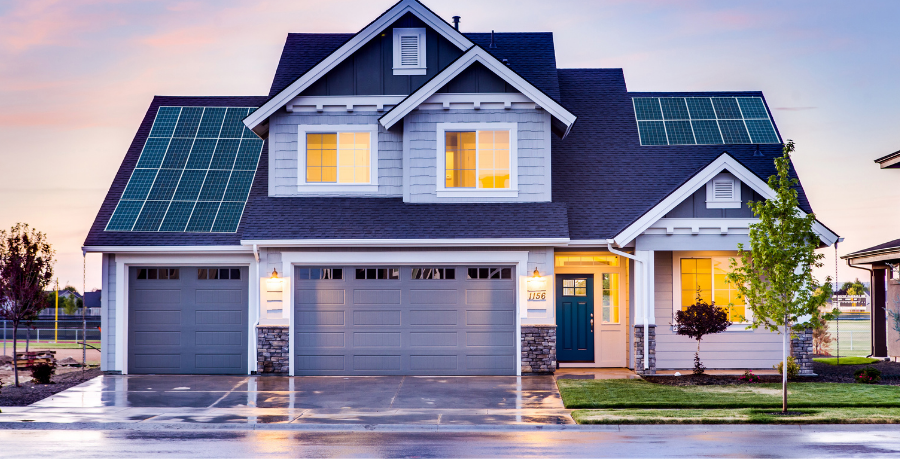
(855, 337)
(50, 313)
(42, 331)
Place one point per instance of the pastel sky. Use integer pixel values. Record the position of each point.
(76, 77)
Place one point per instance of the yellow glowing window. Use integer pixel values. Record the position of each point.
(706, 277)
(338, 157)
(586, 260)
(477, 159)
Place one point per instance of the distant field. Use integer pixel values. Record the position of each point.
(855, 336)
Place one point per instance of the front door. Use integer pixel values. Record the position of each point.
(575, 317)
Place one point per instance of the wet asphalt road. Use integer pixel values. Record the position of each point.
(628, 442)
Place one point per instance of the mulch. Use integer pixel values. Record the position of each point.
(29, 392)
(890, 375)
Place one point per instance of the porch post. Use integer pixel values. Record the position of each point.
(644, 307)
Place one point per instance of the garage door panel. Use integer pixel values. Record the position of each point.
(217, 296)
(159, 297)
(319, 340)
(376, 363)
(319, 363)
(376, 296)
(490, 297)
(433, 339)
(211, 362)
(490, 362)
(156, 338)
(434, 317)
(320, 297)
(218, 338)
(320, 318)
(376, 317)
(156, 317)
(490, 339)
(156, 362)
(433, 296)
(219, 317)
(376, 340)
(490, 317)
(430, 363)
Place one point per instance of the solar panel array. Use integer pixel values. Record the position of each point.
(194, 173)
(703, 120)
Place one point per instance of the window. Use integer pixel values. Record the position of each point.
(575, 287)
(409, 51)
(377, 273)
(723, 192)
(158, 273)
(433, 273)
(479, 161)
(489, 273)
(218, 273)
(338, 158)
(320, 273)
(586, 260)
(706, 277)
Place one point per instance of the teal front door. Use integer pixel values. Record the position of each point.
(575, 317)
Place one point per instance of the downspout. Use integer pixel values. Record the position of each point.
(256, 277)
(871, 282)
(643, 300)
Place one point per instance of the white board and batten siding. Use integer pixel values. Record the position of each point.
(108, 313)
(734, 349)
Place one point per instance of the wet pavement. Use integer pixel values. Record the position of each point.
(251, 401)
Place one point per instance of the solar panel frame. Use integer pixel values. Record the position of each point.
(202, 217)
(139, 184)
(734, 131)
(674, 108)
(153, 153)
(124, 216)
(151, 216)
(647, 109)
(761, 131)
(228, 217)
(652, 133)
(713, 120)
(680, 132)
(177, 216)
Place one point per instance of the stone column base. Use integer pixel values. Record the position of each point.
(639, 367)
(539, 349)
(273, 350)
(802, 351)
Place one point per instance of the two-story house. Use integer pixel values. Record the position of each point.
(414, 199)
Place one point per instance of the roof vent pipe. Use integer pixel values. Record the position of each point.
(492, 40)
(456, 23)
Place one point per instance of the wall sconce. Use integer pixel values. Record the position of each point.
(536, 275)
(274, 274)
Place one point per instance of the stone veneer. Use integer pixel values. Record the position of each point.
(273, 350)
(539, 349)
(639, 350)
(802, 350)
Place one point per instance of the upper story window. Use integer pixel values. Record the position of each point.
(476, 160)
(338, 158)
(723, 192)
(409, 51)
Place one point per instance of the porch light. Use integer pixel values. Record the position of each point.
(274, 274)
(536, 275)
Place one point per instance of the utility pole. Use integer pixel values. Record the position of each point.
(56, 321)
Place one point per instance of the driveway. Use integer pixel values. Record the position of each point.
(154, 399)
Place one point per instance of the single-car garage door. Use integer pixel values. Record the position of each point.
(433, 320)
(187, 320)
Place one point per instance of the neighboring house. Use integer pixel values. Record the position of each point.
(412, 199)
(883, 263)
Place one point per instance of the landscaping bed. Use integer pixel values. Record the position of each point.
(706, 379)
(890, 372)
(739, 416)
(30, 392)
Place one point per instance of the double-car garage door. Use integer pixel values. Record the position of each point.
(187, 320)
(404, 320)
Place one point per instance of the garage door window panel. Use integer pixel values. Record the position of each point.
(158, 274)
(489, 273)
(434, 273)
(378, 273)
(209, 274)
(334, 274)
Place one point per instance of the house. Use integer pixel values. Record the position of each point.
(883, 263)
(414, 199)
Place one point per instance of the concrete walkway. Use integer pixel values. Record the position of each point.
(167, 401)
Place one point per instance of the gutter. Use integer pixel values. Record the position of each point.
(643, 298)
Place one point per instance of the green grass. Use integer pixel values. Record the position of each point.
(20, 347)
(832, 361)
(739, 416)
(856, 337)
(642, 394)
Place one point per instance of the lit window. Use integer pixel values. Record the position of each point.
(706, 277)
(339, 157)
(477, 159)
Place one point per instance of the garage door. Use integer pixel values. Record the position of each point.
(437, 320)
(187, 320)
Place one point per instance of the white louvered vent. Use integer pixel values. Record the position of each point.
(723, 192)
(409, 51)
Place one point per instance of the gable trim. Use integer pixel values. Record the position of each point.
(698, 181)
(258, 118)
(477, 54)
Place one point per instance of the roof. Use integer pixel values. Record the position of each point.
(889, 161)
(888, 247)
(602, 169)
(92, 299)
(97, 236)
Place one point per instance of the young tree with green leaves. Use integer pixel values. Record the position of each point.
(775, 274)
(26, 268)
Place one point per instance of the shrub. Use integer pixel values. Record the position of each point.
(793, 368)
(699, 320)
(749, 377)
(867, 375)
(41, 373)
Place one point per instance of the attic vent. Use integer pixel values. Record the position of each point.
(409, 51)
(723, 192)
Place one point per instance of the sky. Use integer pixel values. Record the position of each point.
(76, 77)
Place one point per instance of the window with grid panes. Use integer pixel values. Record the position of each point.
(706, 277)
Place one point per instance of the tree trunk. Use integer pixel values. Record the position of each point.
(784, 367)
(14, 361)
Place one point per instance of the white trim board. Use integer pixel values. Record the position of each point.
(355, 43)
(477, 54)
(406, 258)
(412, 242)
(724, 162)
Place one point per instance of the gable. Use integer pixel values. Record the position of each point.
(477, 78)
(369, 70)
(695, 207)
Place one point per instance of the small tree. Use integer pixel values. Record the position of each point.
(775, 276)
(26, 267)
(699, 320)
(69, 305)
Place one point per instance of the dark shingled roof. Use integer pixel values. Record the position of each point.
(302, 51)
(887, 247)
(98, 237)
(604, 174)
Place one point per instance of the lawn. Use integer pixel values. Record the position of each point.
(846, 361)
(20, 347)
(641, 394)
(739, 415)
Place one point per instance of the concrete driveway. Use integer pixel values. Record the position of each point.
(442, 401)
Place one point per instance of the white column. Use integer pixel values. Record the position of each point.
(643, 291)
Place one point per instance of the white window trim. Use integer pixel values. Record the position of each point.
(420, 67)
(713, 203)
(677, 256)
(443, 127)
(304, 187)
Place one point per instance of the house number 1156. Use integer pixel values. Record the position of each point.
(537, 296)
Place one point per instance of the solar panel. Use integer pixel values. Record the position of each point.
(193, 159)
(703, 120)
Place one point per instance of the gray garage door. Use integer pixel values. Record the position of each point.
(187, 320)
(436, 320)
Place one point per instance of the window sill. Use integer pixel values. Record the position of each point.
(410, 71)
(444, 192)
(723, 205)
(337, 188)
